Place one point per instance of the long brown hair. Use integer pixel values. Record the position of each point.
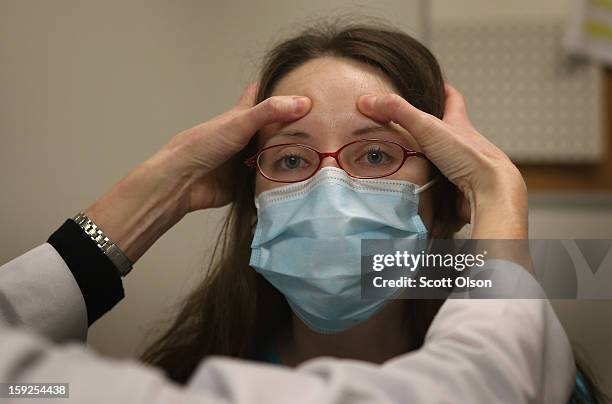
(235, 310)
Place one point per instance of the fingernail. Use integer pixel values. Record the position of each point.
(300, 104)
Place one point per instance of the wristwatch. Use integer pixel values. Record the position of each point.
(110, 249)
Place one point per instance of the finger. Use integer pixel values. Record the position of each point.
(249, 95)
(455, 107)
(392, 107)
(279, 108)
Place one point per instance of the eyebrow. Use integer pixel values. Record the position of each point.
(361, 131)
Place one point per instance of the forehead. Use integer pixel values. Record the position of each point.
(333, 84)
(336, 77)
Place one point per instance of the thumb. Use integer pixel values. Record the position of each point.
(455, 108)
(425, 128)
(279, 108)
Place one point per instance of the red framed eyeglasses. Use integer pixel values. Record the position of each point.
(364, 158)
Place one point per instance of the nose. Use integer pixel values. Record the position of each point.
(329, 161)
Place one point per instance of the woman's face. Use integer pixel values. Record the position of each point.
(334, 85)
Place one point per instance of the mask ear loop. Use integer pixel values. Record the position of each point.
(424, 187)
(420, 189)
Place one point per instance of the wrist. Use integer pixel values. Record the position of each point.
(499, 207)
(143, 205)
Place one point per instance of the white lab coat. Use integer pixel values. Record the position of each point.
(476, 351)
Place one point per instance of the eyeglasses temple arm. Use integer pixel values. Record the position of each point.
(250, 162)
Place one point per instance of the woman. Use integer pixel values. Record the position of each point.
(332, 84)
(236, 311)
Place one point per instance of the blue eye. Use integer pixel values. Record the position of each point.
(375, 156)
(291, 161)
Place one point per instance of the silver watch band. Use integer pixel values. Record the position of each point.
(110, 249)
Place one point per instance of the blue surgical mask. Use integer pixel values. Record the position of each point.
(307, 241)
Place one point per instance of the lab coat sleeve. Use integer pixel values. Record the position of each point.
(478, 351)
(38, 292)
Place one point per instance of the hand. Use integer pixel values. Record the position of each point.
(207, 150)
(489, 181)
(191, 172)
